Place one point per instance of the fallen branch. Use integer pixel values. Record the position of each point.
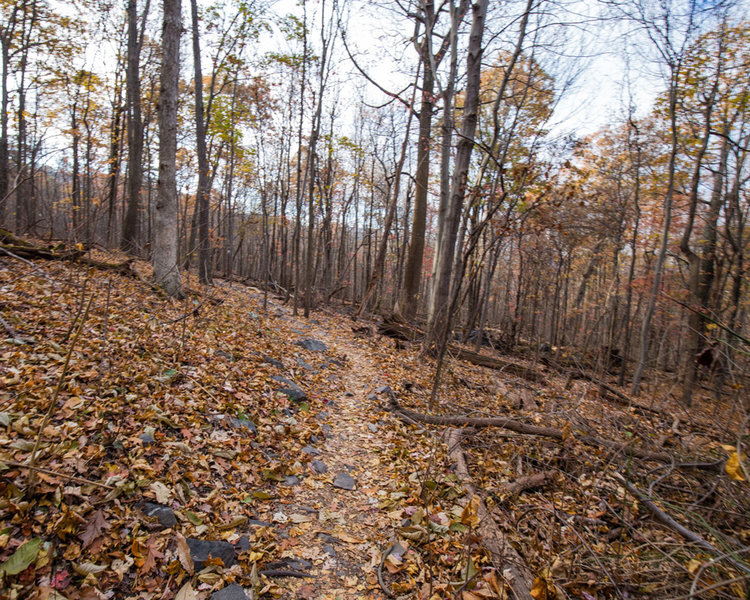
(506, 560)
(394, 328)
(75, 478)
(664, 518)
(550, 432)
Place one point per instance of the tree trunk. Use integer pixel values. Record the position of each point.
(129, 241)
(166, 269)
(202, 196)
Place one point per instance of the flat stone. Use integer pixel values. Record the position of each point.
(272, 361)
(372, 427)
(257, 523)
(291, 480)
(305, 365)
(329, 550)
(244, 424)
(311, 450)
(294, 392)
(319, 466)
(243, 544)
(312, 345)
(163, 514)
(224, 354)
(231, 592)
(344, 481)
(147, 438)
(200, 550)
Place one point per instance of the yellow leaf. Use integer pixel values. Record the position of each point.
(469, 513)
(733, 467)
(694, 565)
(539, 589)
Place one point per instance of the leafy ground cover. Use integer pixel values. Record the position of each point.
(220, 447)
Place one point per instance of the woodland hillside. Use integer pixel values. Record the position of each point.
(343, 300)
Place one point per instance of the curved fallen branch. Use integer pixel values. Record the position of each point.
(550, 432)
(689, 535)
(506, 560)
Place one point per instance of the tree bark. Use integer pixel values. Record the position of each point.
(202, 196)
(166, 268)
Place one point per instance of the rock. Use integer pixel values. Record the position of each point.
(257, 523)
(344, 481)
(272, 361)
(314, 439)
(200, 550)
(147, 438)
(329, 550)
(312, 345)
(384, 390)
(312, 451)
(224, 354)
(305, 365)
(291, 480)
(296, 564)
(349, 394)
(244, 424)
(163, 514)
(291, 389)
(231, 592)
(319, 466)
(372, 427)
(243, 544)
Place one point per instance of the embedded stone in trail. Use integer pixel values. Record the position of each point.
(319, 466)
(231, 592)
(291, 480)
(294, 392)
(312, 345)
(344, 481)
(272, 361)
(163, 514)
(305, 365)
(200, 550)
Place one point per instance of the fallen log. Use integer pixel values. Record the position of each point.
(497, 364)
(625, 449)
(507, 562)
(400, 330)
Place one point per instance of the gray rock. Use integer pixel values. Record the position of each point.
(305, 365)
(224, 354)
(244, 424)
(312, 345)
(147, 438)
(291, 480)
(319, 466)
(311, 450)
(294, 392)
(372, 427)
(163, 514)
(329, 550)
(243, 544)
(273, 361)
(344, 481)
(257, 523)
(200, 550)
(231, 592)
(383, 390)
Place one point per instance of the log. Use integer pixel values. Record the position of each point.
(625, 449)
(400, 330)
(507, 562)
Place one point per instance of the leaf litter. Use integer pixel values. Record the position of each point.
(324, 494)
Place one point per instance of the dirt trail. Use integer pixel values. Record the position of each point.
(347, 532)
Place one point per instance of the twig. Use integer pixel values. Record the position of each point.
(686, 533)
(383, 585)
(57, 473)
(53, 401)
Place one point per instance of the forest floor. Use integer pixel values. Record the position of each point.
(222, 447)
